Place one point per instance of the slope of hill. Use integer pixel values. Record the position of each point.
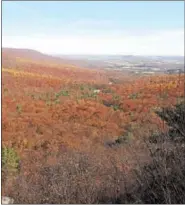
(31, 55)
(38, 63)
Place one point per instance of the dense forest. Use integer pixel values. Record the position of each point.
(75, 135)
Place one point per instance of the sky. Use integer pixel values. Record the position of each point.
(95, 27)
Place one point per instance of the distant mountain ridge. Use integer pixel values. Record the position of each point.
(31, 55)
(9, 55)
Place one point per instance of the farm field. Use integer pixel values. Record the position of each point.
(56, 108)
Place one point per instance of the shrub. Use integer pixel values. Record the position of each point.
(115, 80)
(89, 95)
(124, 138)
(134, 96)
(63, 93)
(115, 107)
(82, 178)
(19, 108)
(161, 181)
(163, 95)
(116, 97)
(72, 179)
(82, 87)
(107, 90)
(175, 118)
(10, 160)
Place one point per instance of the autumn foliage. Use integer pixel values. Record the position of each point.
(51, 108)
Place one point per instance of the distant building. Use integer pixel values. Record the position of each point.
(172, 71)
(156, 69)
(148, 72)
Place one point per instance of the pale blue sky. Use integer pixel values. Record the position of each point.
(92, 27)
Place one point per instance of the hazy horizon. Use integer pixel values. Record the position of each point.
(95, 28)
(73, 54)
